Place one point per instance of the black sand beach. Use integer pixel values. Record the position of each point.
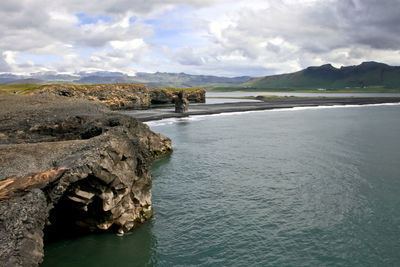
(268, 103)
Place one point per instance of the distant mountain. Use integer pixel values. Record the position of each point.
(94, 79)
(101, 74)
(26, 81)
(52, 76)
(158, 79)
(5, 78)
(163, 79)
(187, 80)
(366, 75)
(37, 78)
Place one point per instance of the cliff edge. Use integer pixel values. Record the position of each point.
(123, 95)
(114, 96)
(66, 165)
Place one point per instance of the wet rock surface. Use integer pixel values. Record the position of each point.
(72, 165)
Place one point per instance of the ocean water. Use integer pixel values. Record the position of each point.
(293, 187)
(224, 97)
(242, 94)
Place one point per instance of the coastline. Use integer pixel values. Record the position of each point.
(70, 167)
(267, 104)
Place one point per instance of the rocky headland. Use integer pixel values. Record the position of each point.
(69, 164)
(122, 96)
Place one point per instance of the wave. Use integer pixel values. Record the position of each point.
(201, 117)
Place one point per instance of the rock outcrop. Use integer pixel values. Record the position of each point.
(181, 103)
(123, 96)
(168, 95)
(70, 164)
(114, 96)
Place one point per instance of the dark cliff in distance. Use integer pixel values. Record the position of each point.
(70, 165)
(367, 75)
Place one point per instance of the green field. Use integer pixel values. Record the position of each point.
(20, 89)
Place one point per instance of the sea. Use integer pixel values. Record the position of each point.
(315, 186)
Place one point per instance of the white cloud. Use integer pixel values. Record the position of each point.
(222, 37)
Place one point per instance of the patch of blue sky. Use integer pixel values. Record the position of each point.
(85, 52)
(132, 19)
(175, 29)
(37, 59)
(84, 19)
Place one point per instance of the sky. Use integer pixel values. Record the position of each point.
(212, 37)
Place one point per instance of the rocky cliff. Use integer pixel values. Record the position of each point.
(68, 165)
(168, 95)
(123, 96)
(114, 96)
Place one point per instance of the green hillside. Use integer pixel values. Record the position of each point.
(367, 76)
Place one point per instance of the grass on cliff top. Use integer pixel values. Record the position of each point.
(174, 89)
(23, 89)
(20, 89)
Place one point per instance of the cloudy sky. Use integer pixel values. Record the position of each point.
(216, 37)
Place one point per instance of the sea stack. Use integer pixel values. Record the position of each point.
(181, 103)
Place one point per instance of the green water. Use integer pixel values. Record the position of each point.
(306, 187)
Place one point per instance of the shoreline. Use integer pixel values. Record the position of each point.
(70, 167)
(156, 114)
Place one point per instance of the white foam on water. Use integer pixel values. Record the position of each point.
(174, 120)
(201, 117)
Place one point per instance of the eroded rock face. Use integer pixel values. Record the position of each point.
(181, 103)
(197, 96)
(82, 166)
(122, 96)
(21, 229)
(114, 96)
(164, 96)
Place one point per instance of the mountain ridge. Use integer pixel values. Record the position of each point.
(366, 75)
(158, 79)
(370, 75)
